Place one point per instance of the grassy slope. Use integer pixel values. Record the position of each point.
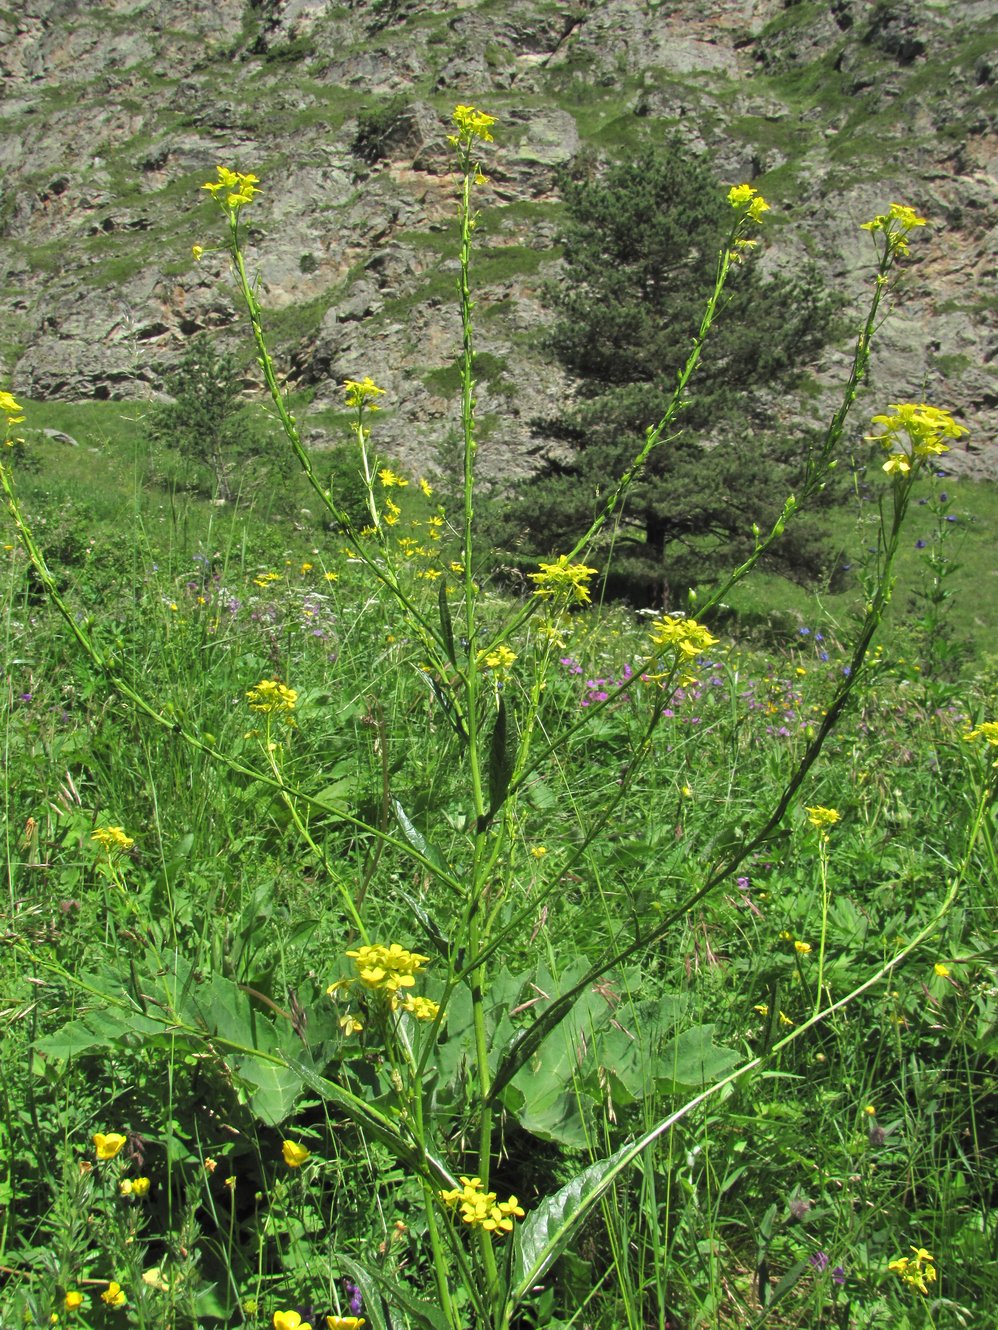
(114, 470)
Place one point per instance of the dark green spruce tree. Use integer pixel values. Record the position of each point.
(208, 422)
(640, 251)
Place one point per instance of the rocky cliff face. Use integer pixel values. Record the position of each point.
(115, 112)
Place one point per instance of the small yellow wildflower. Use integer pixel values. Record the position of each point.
(238, 189)
(387, 968)
(917, 430)
(562, 578)
(500, 660)
(345, 1322)
(388, 478)
(113, 838)
(73, 1300)
(917, 1272)
(870, 1110)
(197, 251)
(155, 1279)
(425, 486)
(471, 125)
(290, 1321)
(422, 1008)
(685, 636)
(821, 818)
(114, 1295)
(988, 731)
(895, 226)
(273, 698)
(940, 970)
(349, 1024)
(802, 948)
(749, 198)
(294, 1154)
(107, 1146)
(361, 393)
(482, 1208)
(538, 851)
(11, 409)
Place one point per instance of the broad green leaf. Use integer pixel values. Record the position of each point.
(693, 1060)
(273, 1090)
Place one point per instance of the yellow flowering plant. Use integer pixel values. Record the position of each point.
(385, 1079)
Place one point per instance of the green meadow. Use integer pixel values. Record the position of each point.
(394, 940)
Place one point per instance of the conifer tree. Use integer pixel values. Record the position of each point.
(640, 250)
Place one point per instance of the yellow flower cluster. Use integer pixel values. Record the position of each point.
(988, 731)
(107, 1146)
(471, 125)
(895, 226)
(917, 1271)
(273, 699)
(237, 188)
(422, 1008)
(570, 580)
(685, 636)
(821, 818)
(918, 430)
(387, 968)
(389, 478)
(383, 969)
(481, 1207)
(745, 196)
(500, 659)
(362, 392)
(113, 838)
(10, 409)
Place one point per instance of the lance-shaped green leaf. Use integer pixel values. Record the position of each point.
(500, 760)
(446, 627)
(418, 841)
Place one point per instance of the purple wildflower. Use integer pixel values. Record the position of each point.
(839, 1275)
(819, 1260)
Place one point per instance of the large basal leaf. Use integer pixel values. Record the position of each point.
(273, 1089)
(692, 1060)
(98, 1029)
